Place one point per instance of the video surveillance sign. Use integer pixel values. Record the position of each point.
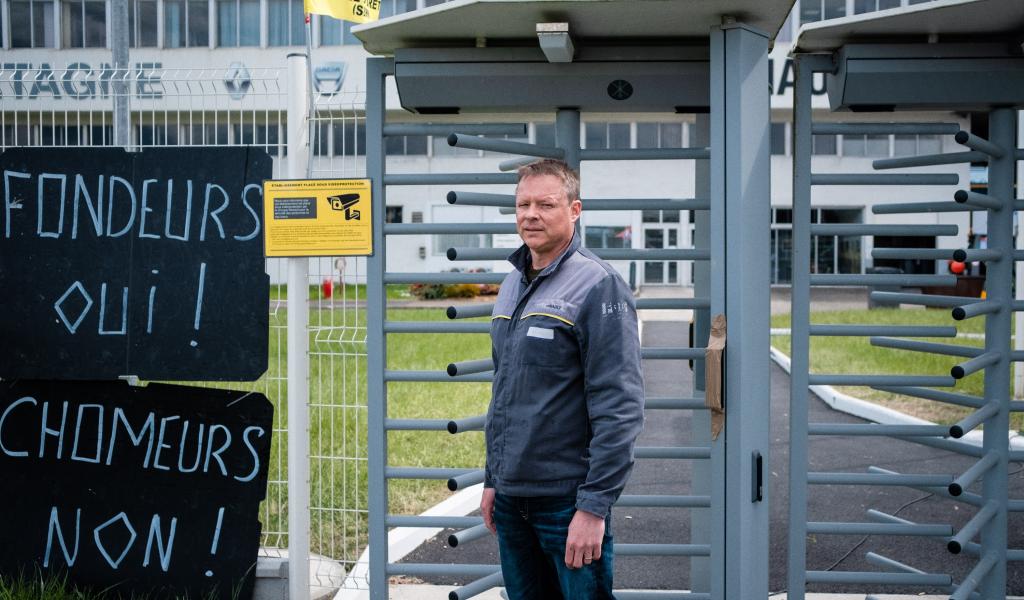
(318, 217)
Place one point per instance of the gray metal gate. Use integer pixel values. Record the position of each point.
(731, 277)
(865, 77)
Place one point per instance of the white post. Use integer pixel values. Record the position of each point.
(298, 346)
(1018, 340)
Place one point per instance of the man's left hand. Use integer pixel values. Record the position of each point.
(583, 546)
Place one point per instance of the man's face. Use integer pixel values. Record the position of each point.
(545, 217)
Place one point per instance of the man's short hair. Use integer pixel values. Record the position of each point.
(557, 168)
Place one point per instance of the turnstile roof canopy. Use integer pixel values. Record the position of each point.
(959, 19)
(463, 22)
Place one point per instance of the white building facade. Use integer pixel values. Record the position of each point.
(215, 72)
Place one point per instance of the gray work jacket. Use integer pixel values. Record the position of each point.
(567, 398)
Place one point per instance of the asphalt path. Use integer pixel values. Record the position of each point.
(825, 503)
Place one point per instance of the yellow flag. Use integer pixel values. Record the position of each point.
(357, 11)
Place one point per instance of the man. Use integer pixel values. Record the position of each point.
(567, 400)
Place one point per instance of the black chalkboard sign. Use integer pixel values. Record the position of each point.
(147, 264)
(151, 490)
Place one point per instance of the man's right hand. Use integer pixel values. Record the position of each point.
(487, 509)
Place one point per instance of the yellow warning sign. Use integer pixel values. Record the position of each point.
(317, 217)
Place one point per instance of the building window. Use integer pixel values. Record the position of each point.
(829, 253)
(544, 134)
(606, 237)
(865, 6)
(778, 138)
(186, 24)
(287, 23)
(406, 145)
(824, 144)
(156, 134)
(336, 33)
(392, 214)
(84, 23)
(32, 24)
(817, 10)
(142, 23)
(238, 23)
(865, 145)
(207, 135)
(349, 138)
(601, 135)
(659, 135)
(785, 34)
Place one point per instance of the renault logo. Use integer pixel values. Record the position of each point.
(237, 81)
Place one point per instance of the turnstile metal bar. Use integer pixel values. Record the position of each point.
(425, 472)
(972, 527)
(676, 404)
(979, 144)
(985, 254)
(435, 327)
(475, 588)
(892, 230)
(975, 364)
(929, 347)
(445, 278)
(506, 146)
(513, 164)
(443, 129)
(913, 253)
(671, 303)
(975, 577)
(928, 160)
(885, 128)
(884, 179)
(480, 199)
(446, 522)
(883, 330)
(469, 367)
(876, 380)
(431, 569)
(640, 254)
(913, 529)
(903, 208)
(651, 501)
(874, 429)
(883, 279)
(449, 178)
(894, 479)
(645, 154)
(932, 300)
(972, 474)
(662, 550)
(416, 424)
(474, 423)
(470, 311)
(936, 395)
(673, 452)
(392, 375)
(605, 204)
(465, 480)
(978, 200)
(651, 353)
(447, 228)
(873, 578)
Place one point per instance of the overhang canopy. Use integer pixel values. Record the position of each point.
(942, 20)
(464, 23)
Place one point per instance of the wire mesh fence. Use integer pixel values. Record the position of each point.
(239, 106)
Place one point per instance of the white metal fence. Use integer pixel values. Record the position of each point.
(245, 107)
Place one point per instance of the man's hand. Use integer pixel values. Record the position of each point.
(487, 509)
(583, 546)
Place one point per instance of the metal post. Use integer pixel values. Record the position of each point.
(119, 50)
(377, 69)
(800, 336)
(567, 131)
(998, 283)
(700, 421)
(1018, 342)
(298, 357)
(739, 66)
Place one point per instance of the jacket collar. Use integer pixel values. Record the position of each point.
(522, 260)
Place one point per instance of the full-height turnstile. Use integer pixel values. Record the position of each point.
(916, 69)
(716, 68)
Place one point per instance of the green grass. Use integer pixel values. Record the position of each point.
(338, 421)
(55, 586)
(857, 355)
(349, 291)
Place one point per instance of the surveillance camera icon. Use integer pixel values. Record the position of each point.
(345, 202)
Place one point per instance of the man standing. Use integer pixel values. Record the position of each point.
(567, 400)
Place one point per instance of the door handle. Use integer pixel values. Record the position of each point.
(714, 375)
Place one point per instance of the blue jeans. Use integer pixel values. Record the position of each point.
(531, 539)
